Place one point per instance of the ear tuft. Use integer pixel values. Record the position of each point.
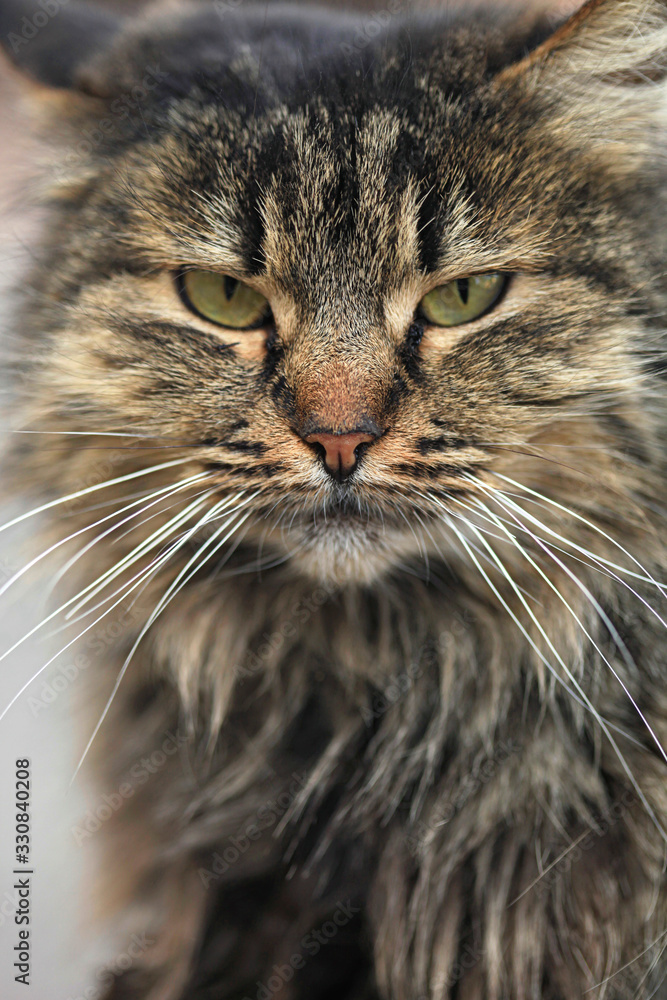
(620, 40)
(51, 40)
(602, 80)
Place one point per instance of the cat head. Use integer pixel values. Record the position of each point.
(359, 270)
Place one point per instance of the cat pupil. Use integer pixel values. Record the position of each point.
(463, 286)
(231, 284)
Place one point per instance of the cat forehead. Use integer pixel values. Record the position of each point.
(338, 170)
(294, 139)
(318, 192)
(342, 197)
(304, 193)
(251, 57)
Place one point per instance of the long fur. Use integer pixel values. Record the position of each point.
(426, 708)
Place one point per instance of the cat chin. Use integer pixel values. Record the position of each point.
(341, 553)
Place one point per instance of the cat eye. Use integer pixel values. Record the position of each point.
(223, 300)
(462, 300)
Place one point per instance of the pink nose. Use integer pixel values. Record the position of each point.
(340, 450)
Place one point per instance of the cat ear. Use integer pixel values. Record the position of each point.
(600, 79)
(622, 41)
(50, 40)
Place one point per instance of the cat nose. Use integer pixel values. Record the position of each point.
(340, 452)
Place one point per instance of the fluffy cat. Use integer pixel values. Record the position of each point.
(365, 313)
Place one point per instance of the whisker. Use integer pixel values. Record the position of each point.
(162, 510)
(136, 495)
(62, 607)
(145, 575)
(560, 659)
(589, 524)
(125, 592)
(627, 964)
(147, 572)
(602, 567)
(573, 694)
(92, 489)
(75, 618)
(450, 513)
(67, 433)
(140, 550)
(89, 527)
(620, 645)
(653, 965)
(169, 594)
(536, 881)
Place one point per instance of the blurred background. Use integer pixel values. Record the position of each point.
(66, 953)
(69, 946)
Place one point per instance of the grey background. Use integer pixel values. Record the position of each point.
(67, 942)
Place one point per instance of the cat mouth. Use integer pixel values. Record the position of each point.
(345, 508)
(347, 517)
(340, 518)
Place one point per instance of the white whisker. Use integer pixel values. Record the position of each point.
(124, 594)
(161, 535)
(111, 574)
(560, 659)
(604, 617)
(169, 594)
(89, 527)
(645, 575)
(93, 489)
(627, 964)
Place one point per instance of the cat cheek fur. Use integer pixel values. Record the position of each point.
(434, 688)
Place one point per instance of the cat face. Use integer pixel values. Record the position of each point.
(347, 200)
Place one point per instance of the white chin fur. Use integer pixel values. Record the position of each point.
(342, 552)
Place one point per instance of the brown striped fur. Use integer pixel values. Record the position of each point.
(360, 636)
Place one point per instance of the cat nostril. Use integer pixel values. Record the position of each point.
(340, 452)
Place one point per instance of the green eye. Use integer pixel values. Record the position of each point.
(223, 300)
(462, 300)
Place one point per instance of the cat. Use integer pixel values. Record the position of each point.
(345, 357)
